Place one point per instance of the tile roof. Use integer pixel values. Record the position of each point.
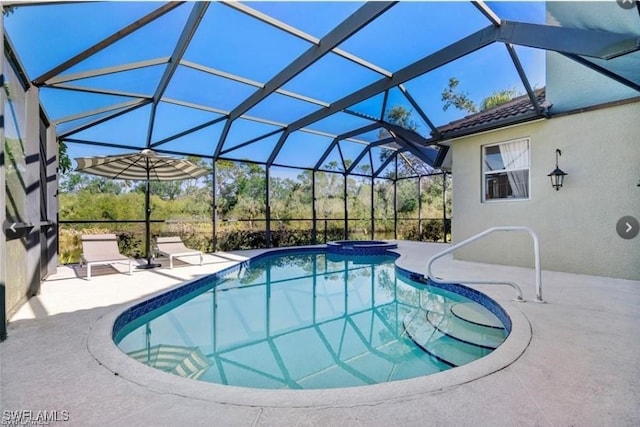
(515, 111)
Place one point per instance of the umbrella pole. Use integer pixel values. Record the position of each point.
(147, 221)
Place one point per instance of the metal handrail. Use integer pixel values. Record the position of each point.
(536, 250)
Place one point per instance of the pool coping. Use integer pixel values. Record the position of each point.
(103, 349)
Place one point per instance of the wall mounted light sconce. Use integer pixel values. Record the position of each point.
(557, 176)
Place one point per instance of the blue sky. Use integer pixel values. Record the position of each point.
(232, 42)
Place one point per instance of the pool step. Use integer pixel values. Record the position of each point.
(451, 339)
(421, 332)
(470, 333)
(477, 314)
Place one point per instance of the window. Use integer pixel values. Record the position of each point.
(505, 170)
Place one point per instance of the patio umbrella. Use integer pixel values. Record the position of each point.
(147, 166)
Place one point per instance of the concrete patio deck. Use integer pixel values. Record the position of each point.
(581, 366)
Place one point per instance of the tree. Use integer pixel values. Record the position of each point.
(252, 181)
(364, 169)
(408, 164)
(191, 186)
(407, 197)
(100, 185)
(64, 162)
(358, 197)
(226, 185)
(71, 183)
(383, 199)
(286, 198)
(248, 208)
(400, 116)
(166, 190)
(498, 98)
(236, 178)
(397, 115)
(75, 182)
(452, 97)
(330, 191)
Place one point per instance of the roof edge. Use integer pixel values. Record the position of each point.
(595, 107)
(531, 118)
(495, 125)
(517, 110)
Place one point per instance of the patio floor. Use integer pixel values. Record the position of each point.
(580, 368)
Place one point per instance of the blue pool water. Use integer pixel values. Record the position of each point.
(311, 320)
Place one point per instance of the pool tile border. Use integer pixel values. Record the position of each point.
(360, 247)
(476, 296)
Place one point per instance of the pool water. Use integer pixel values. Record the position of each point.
(313, 320)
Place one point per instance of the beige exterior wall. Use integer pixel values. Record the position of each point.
(576, 225)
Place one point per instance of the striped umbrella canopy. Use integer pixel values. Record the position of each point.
(188, 362)
(145, 165)
(140, 166)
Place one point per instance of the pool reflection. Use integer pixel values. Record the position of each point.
(311, 320)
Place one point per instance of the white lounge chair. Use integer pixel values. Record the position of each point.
(101, 249)
(174, 247)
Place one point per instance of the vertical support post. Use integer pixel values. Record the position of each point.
(314, 214)
(57, 228)
(346, 210)
(395, 208)
(3, 210)
(43, 196)
(325, 228)
(214, 205)
(420, 208)
(372, 211)
(52, 199)
(444, 207)
(395, 200)
(147, 213)
(267, 209)
(33, 187)
(3, 311)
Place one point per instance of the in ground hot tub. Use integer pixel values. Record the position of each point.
(360, 247)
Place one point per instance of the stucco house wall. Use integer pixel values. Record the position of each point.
(570, 85)
(577, 224)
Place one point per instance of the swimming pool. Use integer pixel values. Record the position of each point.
(310, 320)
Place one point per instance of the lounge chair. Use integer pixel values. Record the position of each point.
(173, 247)
(100, 249)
